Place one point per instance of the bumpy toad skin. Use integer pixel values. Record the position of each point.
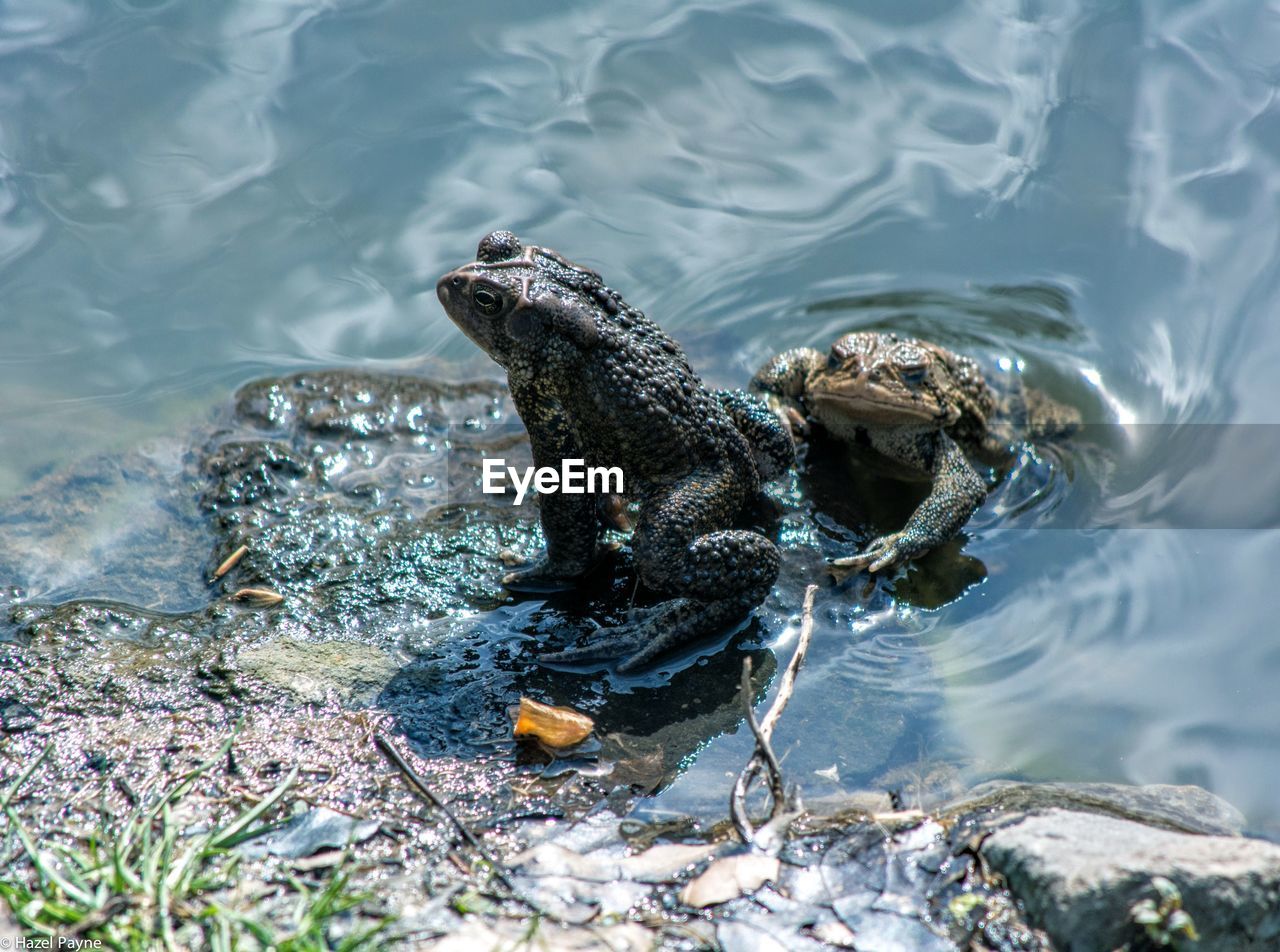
(593, 378)
(921, 406)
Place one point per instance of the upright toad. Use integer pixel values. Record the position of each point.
(594, 379)
(923, 407)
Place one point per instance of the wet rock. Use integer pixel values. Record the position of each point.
(1188, 808)
(1080, 874)
(16, 717)
(761, 934)
(348, 671)
(354, 496)
(879, 930)
(126, 528)
(849, 805)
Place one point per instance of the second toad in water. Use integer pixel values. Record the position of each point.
(928, 410)
(593, 378)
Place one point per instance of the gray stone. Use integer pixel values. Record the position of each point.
(1188, 808)
(881, 931)
(1079, 874)
(347, 671)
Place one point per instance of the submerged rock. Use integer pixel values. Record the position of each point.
(356, 499)
(1080, 875)
(347, 671)
(1188, 808)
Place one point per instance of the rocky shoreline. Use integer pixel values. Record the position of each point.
(355, 498)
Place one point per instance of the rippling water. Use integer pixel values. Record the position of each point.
(194, 194)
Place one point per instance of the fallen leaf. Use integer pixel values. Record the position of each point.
(552, 859)
(834, 932)
(661, 863)
(553, 726)
(258, 596)
(728, 878)
(305, 835)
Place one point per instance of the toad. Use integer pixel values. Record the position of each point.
(930, 412)
(592, 378)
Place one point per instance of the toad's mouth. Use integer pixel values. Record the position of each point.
(873, 404)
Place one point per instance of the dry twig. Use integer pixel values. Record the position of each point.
(419, 786)
(764, 759)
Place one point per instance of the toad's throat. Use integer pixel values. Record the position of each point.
(866, 405)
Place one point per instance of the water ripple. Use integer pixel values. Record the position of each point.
(193, 194)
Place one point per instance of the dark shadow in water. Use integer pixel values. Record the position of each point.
(854, 500)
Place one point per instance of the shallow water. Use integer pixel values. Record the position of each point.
(196, 194)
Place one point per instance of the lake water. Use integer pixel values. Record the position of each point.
(194, 194)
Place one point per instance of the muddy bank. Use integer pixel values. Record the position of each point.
(362, 598)
(359, 585)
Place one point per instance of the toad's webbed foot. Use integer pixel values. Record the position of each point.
(542, 577)
(883, 553)
(653, 632)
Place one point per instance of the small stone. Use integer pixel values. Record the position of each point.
(16, 717)
(316, 671)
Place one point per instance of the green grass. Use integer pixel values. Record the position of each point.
(146, 884)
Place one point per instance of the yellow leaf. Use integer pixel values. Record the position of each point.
(553, 726)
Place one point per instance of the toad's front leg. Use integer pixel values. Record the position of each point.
(571, 522)
(717, 575)
(782, 383)
(958, 490)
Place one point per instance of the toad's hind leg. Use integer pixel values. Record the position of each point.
(716, 575)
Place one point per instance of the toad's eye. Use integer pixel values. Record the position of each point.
(911, 362)
(486, 301)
